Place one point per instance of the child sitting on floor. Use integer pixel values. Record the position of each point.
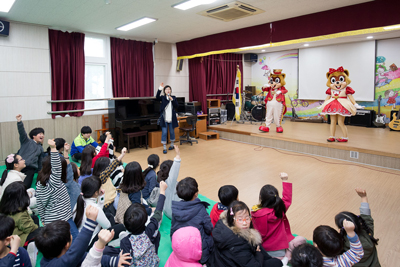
(186, 246)
(142, 241)
(131, 190)
(330, 244)
(364, 228)
(150, 176)
(55, 243)
(226, 194)
(192, 212)
(81, 141)
(11, 254)
(269, 218)
(14, 164)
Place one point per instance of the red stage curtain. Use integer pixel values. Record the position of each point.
(214, 74)
(67, 70)
(132, 68)
(355, 17)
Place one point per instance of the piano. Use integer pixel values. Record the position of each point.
(132, 115)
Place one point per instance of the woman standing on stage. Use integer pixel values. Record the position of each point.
(168, 118)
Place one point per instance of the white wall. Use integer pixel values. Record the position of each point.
(25, 83)
(247, 66)
(165, 57)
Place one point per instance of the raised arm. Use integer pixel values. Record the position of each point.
(287, 190)
(356, 252)
(158, 95)
(23, 137)
(56, 168)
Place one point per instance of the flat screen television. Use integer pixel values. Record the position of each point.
(137, 108)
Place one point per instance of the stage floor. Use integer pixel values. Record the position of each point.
(375, 141)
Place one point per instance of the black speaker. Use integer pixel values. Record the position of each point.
(181, 104)
(179, 64)
(250, 57)
(230, 108)
(363, 117)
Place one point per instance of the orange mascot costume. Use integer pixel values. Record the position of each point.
(340, 102)
(275, 100)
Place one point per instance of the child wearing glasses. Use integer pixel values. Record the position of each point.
(190, 211)
(269, 218)
(236, 243)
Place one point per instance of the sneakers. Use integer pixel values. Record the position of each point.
(331, 139)
(171, 148)
(342, 139)
(264, 129)
(32, 251)
(279, 129)
(164, 151)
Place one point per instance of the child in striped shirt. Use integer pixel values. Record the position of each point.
(10, 252)
(330, 244)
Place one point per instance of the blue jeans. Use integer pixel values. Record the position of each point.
(73, 229)
(165, 133)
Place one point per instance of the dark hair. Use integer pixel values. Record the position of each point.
(227, 194)
(163, 173)
(35, 132)
(103, 138)
(187, 188)
(89, 187)
(88, 154)
(60, 142)
(86, 130)
(359, 224)
(165, 87)
(269, 198)
(306, 255)
(7, 226)
(133, 178)
(100, 165)
(45, 172)
(235, 207)
(9, 167)
(153, 160)
(75, 170)
(15, 199)
(135, 219)
(52, 238)
(328, 240)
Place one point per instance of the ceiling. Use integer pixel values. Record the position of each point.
(172, 26)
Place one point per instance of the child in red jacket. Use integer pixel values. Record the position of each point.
(269, 218)
(226, 194)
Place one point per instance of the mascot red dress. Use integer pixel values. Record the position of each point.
(340, 102)
(275, 101)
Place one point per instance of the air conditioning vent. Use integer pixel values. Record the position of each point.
(353, 154)
(231, 11)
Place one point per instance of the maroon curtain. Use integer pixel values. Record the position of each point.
(214, 74)
(350, 18)
(132, 68)
(67, 70)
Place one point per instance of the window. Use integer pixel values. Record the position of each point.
(97, 71)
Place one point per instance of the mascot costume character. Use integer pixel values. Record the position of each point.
(340, 102)
(275, 100)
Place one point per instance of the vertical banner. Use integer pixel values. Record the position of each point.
(237, 97)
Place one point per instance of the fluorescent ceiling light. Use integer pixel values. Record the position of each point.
(392, 27)
(135, 24)
(192, 3)
(306, 45)
(254, 47)
(370, 37)
(263, 50)
(5, 5)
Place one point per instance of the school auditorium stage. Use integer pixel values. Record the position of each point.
(375, 146)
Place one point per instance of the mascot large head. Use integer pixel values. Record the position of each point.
(337, 79)
(277, 79)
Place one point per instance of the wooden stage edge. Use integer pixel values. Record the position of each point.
(375, 146)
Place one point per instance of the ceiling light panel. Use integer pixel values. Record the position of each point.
(5, 5)
(136, 23)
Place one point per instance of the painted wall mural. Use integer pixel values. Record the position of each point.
(387, 80)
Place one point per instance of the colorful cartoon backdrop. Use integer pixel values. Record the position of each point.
(387, 79)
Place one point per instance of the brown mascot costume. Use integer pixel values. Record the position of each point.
(340, 102)
(275, 100)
